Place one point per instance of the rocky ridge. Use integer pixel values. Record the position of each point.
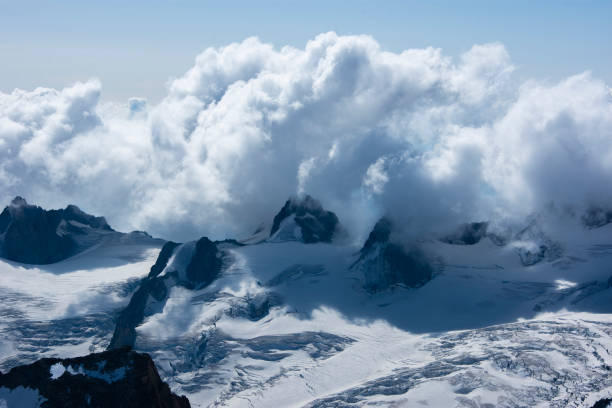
(385, 263)
(304, 219)
(117, 378)
(30, 234)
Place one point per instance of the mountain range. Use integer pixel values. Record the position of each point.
(299, 315)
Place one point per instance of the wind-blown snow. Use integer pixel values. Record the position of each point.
(290, 324)
(66, 309)
(432, 141)
(521, 318)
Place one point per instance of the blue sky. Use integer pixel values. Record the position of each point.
(506, 128)
(134, 47)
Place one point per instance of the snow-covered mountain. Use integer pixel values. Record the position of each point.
(65, 308)
(299, 316)
(303, 219)
(30, 234)
(384, 263)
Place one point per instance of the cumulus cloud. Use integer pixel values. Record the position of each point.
(426, 139)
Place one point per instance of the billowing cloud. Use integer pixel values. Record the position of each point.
(417, 135)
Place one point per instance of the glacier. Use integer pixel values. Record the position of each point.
(295, 324)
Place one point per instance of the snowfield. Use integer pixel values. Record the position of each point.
(289, 324)
(66, 309)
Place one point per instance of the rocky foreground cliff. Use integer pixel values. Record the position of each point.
(117, 378)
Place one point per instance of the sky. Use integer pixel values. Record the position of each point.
(187, 120)
(135, 47)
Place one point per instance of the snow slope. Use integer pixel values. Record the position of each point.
(289, 324)
(66, 309)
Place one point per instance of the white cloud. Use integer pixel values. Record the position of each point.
(304, 170)
(437, 141)
(376, 176)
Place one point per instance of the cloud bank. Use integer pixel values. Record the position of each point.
(430, 140)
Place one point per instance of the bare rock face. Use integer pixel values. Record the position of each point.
(533, 245)
(204, 266)
(467, 234)
(30, 234)
(117, 378)
(596, 217)
(150, 290)
(196, 265)
(304, 219)
(603, 403)
(385, 263)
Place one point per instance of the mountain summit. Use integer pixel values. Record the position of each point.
(30, 234)
(304, 219)
(385, 263)
(33, 235)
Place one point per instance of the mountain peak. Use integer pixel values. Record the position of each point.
(19, 202)
(31, 234)
(303, 218)
(384, 262)
(74, 213)
(379, 234)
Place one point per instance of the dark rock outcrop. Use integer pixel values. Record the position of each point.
(117, 378)
(30, 234)
(254, 307)
(315, 223)
(74, 213)
(151, 288)
(603, 403)
(531, 243)
(204, 264)
(162, 259)
(594, 217)
(542, 252)
(467, 234)
(535, 245)
(385, 263)
(380, 234)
